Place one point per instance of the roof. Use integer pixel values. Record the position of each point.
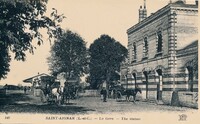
(182, 4)
(192, 45)
(193, 63)
(29, 80)
(189, 49)
(160, 12)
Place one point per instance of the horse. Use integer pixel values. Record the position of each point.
(132, 92)
(52, 94)
(58, 94)
(61, 94)
(128, 93)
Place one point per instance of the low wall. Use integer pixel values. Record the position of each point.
(188, 99)
(89, 93)
(4, 91)
(14, 91)
(37, 92)
(166, 97)
(182, 98)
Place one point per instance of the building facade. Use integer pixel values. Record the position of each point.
(163, 51)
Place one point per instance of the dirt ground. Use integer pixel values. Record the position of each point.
(27, 103)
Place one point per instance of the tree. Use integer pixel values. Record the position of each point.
(106, 56)
(4, 61)
(68, 55)
(20, 24)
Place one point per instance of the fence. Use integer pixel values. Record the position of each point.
(89, 93)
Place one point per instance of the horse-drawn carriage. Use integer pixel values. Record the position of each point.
(56, 94)
(120, 92)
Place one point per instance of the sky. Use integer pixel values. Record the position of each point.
(88, 18)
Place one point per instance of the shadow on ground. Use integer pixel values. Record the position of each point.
(20, 103)
(50, 109)
(12, 98)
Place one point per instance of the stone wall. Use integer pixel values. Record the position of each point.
(149, 31)
(186, 27)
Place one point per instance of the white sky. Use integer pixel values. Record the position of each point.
(90, 19)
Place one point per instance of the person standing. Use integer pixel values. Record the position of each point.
(101, 93)
(25, 90)
(104, 92)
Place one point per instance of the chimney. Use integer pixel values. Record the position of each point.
(142, 12)
(196, 2)
(144, 4)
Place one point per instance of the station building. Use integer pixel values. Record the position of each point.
(163, 54)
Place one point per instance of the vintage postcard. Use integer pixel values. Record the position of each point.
(99, 61)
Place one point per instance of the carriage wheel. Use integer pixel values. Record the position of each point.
(60, 100)
(63, 99)
(119, 95)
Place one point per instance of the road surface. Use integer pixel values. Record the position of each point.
(26, 103)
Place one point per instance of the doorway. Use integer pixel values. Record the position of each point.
(190, 78)
(146, 82)
(159, 83)
(134, 80)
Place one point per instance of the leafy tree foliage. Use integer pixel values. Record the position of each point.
(4, 61)
(20, 23)
(106, 56)
(68, 55)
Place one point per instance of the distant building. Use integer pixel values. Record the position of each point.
(11, 87)
(163, 51)
(39, 81)
(72, 80)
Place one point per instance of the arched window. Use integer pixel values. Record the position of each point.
(159, 42)
(134, 52)
(145, 47)
(129, 56)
